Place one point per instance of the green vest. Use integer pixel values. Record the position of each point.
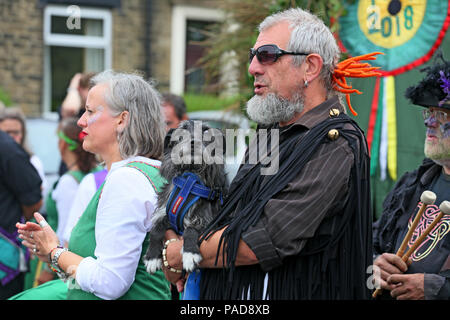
(50, 204)
(82, 242)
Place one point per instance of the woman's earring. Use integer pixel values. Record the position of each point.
(306, 83)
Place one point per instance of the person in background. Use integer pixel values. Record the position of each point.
(12, 121)
(174, 109)
(20, 197)
(74, 103)
(426, 276)
(79, 163)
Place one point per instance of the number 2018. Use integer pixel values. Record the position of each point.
(385, 26)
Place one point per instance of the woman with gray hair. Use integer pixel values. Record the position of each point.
(123, 124)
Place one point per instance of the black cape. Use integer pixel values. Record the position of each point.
(333, 264)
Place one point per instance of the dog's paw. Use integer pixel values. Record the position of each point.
(153, 265)
(191, 261)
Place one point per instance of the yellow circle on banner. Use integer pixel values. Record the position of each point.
(390, 23)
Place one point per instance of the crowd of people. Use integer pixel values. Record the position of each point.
(305, 232)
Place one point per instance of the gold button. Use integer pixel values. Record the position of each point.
(334, 112)
(333, 134)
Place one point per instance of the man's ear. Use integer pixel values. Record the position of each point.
(314, 64)
(122, 121)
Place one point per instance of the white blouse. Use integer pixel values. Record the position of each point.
(63, 195)
(37, 163)
(124, 214)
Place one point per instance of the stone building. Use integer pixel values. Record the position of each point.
(44, 42)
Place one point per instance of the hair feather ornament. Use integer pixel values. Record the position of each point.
(353, 68)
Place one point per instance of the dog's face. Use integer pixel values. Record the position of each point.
(192, 147)
(197, 148)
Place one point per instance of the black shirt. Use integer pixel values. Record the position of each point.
(20, 183)
(432, 254)
(293, 216)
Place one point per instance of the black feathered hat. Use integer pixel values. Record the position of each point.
(434, 89)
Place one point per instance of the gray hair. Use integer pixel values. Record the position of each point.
(309, 34)
(145, 129)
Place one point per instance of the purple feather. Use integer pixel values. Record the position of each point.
(445, 87)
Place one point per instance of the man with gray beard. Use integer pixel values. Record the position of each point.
(427, 274)
(274, 109)
(303, 232)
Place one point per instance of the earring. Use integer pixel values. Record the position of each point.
(306, 83)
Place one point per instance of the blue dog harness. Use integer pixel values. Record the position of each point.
(188, 188)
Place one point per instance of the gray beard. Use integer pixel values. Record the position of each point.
(273, 109)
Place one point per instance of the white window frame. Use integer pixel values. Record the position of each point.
(78, 41)
(180, 15)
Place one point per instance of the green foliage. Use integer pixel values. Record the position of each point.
(5, 98)
(198, 102)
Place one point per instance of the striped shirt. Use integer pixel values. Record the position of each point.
(294, 214)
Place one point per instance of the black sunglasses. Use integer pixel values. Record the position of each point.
(270, 53)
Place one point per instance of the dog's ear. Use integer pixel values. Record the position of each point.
(167, 138)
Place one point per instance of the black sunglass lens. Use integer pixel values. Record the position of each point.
(266, 54)
(251, 55)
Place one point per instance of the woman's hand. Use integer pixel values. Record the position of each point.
(40, 240)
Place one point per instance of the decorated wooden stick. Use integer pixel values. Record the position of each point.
(445, 209)
(427, 198)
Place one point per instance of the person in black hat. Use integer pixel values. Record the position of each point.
(426, 275)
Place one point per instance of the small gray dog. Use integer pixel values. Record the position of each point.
(193, 167)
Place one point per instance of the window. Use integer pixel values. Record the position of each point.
(76, 39)
(188, 27)
(194, 77)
